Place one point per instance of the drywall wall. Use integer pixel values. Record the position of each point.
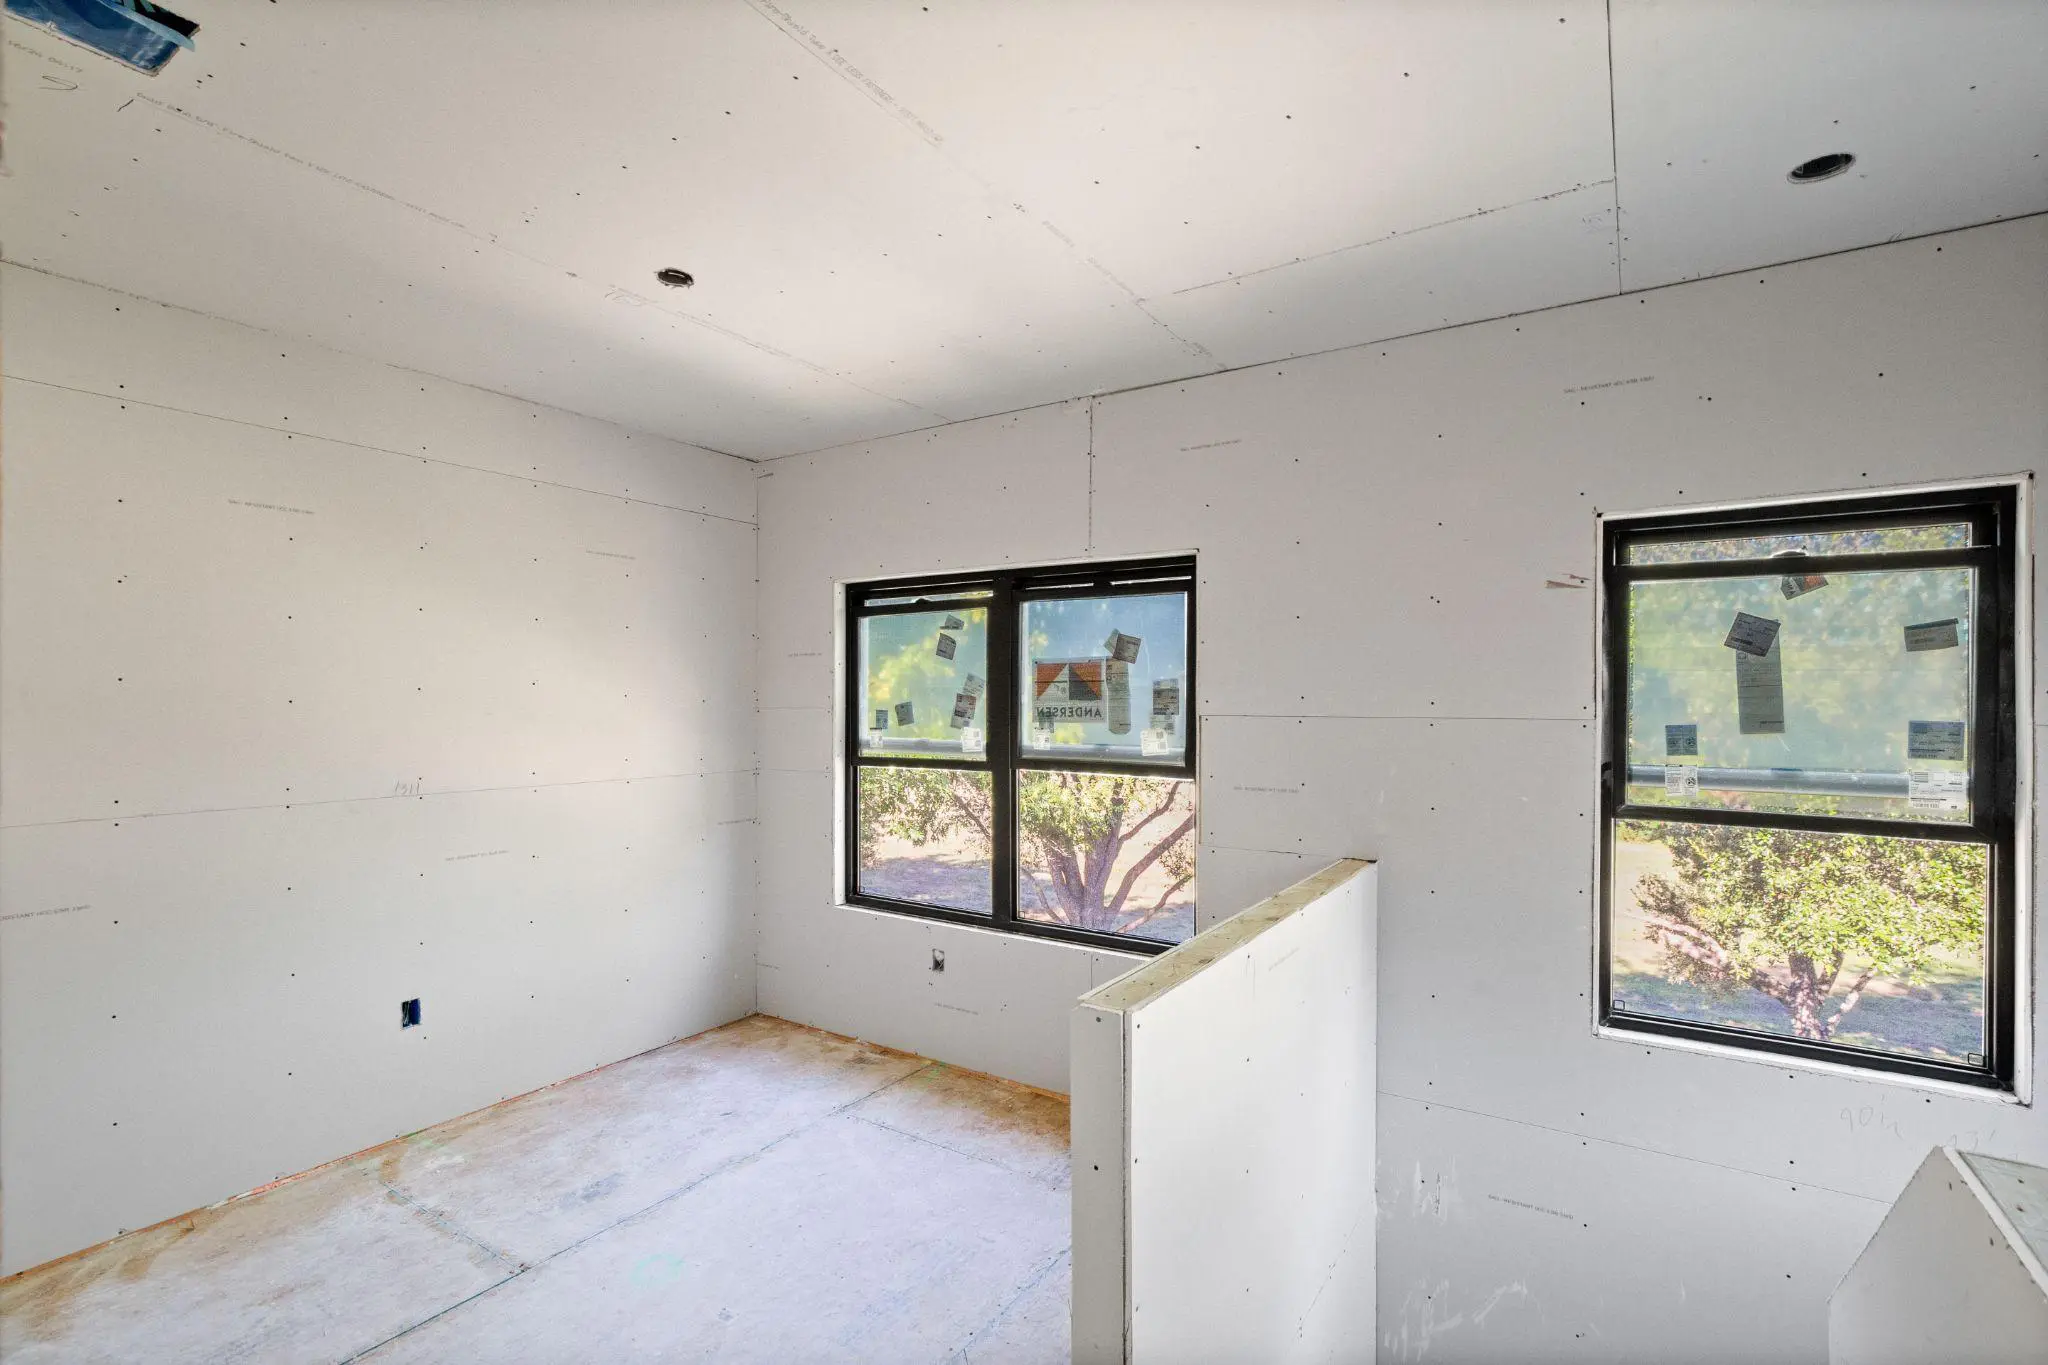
(325, 685)
(1386, 674)
(1001, 1004)
(1950, 1274)
(1223, 1137)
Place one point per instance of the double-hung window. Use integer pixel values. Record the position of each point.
(1021, 749)
(1811, 795)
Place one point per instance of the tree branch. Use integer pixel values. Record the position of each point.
(1147, 916)
(1849, 1001)
(1123, 890)
(973, 817)
(1700, 947)
(1157, 811)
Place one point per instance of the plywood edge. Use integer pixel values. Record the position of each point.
(2022, 1240)
(1171, 968)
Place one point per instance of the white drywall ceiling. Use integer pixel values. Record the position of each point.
(901, 213)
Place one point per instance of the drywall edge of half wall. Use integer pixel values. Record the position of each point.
(326, 685)
(1223, 1138)
(1949, 1275)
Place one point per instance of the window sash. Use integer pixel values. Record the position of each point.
(1004, 599)
(1992, 512)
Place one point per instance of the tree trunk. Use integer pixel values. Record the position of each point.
(1805, 999)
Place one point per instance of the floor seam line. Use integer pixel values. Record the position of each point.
(732, 1164)
(956, 1151)
(472, 1298)
(1031, 1282)
(448, 1225)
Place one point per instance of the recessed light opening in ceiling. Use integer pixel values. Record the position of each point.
(1821, 168)
(675, 279)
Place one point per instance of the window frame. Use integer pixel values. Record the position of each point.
(2000, 725)
(1003, 757)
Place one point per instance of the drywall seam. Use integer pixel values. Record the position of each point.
(1402, 336)
(1635, 1147)
(389, 796)
(1614, 151)
(381, 450)
(1090, 548)
(1393, 236)
(374, 360)
(829, 58)
(496, 243)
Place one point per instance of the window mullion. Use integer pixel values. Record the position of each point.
(1002, 752)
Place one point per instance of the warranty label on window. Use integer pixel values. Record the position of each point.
(1068, 690)
(1117, 687)
(1759, 693)
(1681, 779)
(948, 646)
(1753, 635)
(1931, 635)
(906, 714)
(1122, 648)
(963, 709)
(1936, 739)
(1937, 793)
(1798, 585)
(1682, 741)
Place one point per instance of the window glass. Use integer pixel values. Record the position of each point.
(1108, 852)
(945, 819)
(1946, 535)
(1105, 677)
(924, 836)
(924, 683)
(1867, 941)
(1848, 694)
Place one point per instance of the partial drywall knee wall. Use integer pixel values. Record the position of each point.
(324, 686)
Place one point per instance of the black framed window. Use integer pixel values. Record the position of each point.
(1021, 750)
(1809, 790)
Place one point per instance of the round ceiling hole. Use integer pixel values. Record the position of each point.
(675, 279)
(1821, 168)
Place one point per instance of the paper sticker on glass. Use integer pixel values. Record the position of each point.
(1827, 701)
(1103, 676)
(923, 677)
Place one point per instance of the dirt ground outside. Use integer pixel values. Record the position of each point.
(952, 872)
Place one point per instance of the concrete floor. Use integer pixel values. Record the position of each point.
(762, 1192)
